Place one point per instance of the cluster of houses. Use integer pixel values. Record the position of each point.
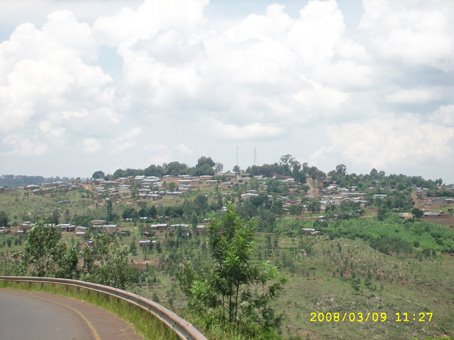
(25, 226)
(150, 187)
(47, 187)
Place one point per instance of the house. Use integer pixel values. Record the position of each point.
(201, 229)
(80, 231)
(248, 195)
(110, 228)
(159, 226)
(432, 213)
(310, 231)
(25, 226)
(181, 225)
(67, 227)
(95, 223)
(145, 243)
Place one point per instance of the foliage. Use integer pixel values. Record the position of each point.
(115, 270)
(345, 210)
(393, 236)
(418, 213)
(234, 292)
(44, 251)
(109, 214)
(98, 175)
(3, 219)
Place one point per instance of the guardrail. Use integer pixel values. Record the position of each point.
(182, 328)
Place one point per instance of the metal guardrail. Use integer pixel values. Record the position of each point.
(181, 327)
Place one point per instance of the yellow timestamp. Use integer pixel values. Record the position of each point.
(374, 317)
(413, 317)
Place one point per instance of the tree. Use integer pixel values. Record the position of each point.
(98, 175)
(314, 206)
(43, 250)
(382, 212)
(109, 214)
(203, 170)
(175, 169)
(129, 212)
(171, 186)
(218, 167)
(236, 169)
(202, 161)
(418, 213)
(55, 217)
(341, 170)
(3, 219)
(235, 291)
(373, 173)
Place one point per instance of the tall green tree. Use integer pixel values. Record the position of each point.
(234, 291)
(98, 175)
(3, 219)
(109, 214)
(43, 250)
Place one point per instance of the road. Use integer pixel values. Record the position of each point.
(41, 316)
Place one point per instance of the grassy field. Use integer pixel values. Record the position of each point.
(344, 275)
(22, 205)
(395, 284)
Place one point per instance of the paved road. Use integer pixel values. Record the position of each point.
(42, 316)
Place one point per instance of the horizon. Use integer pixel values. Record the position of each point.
(225, 170)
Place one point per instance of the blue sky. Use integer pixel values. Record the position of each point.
(101, 85)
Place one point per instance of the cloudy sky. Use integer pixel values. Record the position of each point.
(106, 84)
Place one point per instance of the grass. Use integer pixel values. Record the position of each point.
(146, 325)
(398, 284)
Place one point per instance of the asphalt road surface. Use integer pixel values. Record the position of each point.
(27, 315)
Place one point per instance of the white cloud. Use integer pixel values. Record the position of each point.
(318, 31)
(416, 32)
(23, 146)
(90, 145)
(125, 141)
(389, 141)
(321, 99)
(444, 115)
(47, 69)
(413, 96)
(157, 153)
(183, 149)
(246, 132)
(130, 25)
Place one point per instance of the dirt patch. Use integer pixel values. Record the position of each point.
(443, 219)
(314, 188)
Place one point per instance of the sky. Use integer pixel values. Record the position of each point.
(92, 85)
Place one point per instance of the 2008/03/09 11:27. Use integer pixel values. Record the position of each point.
(359, 317)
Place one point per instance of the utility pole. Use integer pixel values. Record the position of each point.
(255, 156)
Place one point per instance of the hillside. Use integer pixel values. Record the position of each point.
(362, 246)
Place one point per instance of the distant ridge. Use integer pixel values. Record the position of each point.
(15, 181)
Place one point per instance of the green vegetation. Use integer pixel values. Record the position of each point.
(234, 293)
(344, 242)
(394, 236)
